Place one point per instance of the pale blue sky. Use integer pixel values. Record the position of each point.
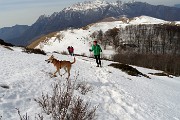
(26, 12)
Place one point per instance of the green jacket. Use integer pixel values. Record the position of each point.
(96, 49)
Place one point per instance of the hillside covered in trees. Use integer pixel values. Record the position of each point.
(154, 45)
(143, 39)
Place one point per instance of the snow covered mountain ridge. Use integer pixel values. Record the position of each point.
(89, 5)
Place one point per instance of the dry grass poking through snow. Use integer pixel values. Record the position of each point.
(44, 38)
(35, 51)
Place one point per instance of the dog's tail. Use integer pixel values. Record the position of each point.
(74, 61)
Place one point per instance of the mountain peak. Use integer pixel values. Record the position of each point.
(87, 5)
(42, 17)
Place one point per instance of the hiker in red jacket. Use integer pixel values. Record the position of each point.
(71, 50)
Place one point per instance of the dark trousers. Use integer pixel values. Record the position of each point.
(98, 59)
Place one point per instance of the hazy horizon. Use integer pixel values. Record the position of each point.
(26, 12)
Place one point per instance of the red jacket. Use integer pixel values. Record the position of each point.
(71, 49)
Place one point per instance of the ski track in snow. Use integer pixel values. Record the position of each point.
(117, 95)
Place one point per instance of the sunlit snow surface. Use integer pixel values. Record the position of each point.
(117, 95)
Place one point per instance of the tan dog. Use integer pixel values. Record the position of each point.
(61, 64)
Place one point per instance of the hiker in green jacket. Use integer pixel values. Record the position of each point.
(97, 51)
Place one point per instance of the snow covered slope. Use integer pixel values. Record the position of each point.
(81, 39)
(147, 20)
(119, 96)
(177, 23)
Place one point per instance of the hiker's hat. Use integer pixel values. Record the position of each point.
(95, 41)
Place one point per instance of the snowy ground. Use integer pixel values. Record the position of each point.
(119, 96)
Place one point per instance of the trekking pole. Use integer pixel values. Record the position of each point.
(101, 57)
(89, 54)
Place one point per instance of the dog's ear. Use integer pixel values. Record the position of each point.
(52, 56)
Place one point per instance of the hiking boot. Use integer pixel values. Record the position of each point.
(97, 66)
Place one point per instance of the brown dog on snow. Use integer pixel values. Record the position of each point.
(61, 64)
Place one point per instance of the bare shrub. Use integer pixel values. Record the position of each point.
(80, 111)
(83, 87)
(57, 104)
(39, 117)
(62, 105)
(64, 53)
(35, 51)
(27, 117)
(22, 117)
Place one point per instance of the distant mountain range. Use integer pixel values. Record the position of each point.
(85, 13)
(9, 33)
